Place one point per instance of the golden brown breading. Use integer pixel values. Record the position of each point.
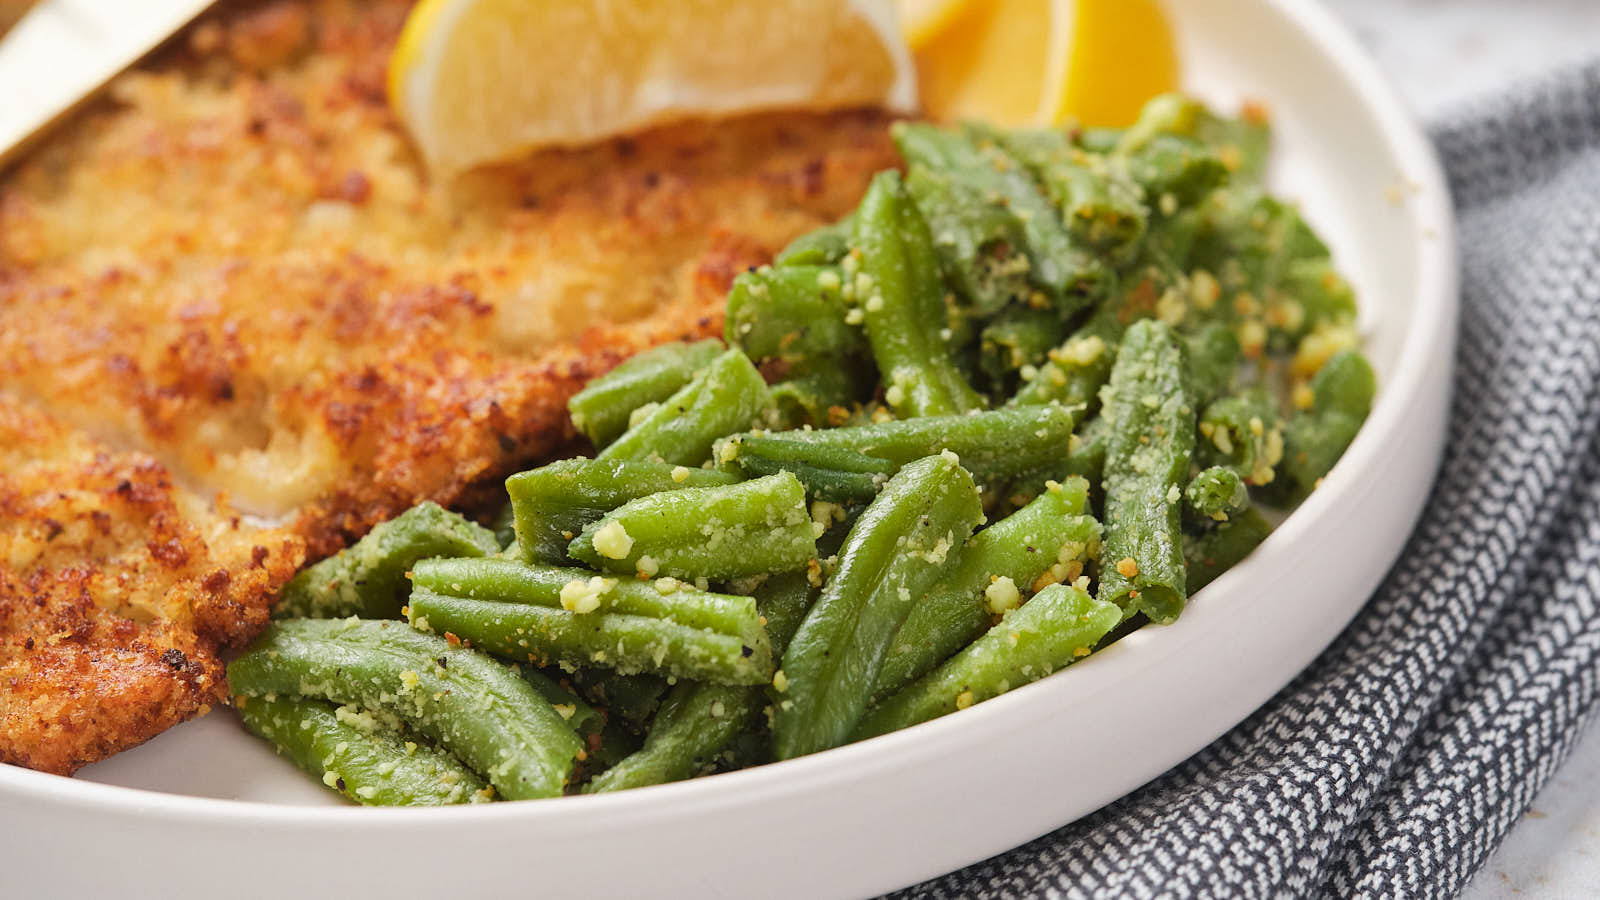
(115, 591)
(233, 290)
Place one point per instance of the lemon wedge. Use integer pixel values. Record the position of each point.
(922, 20)
(477, 81)
(1039, 62)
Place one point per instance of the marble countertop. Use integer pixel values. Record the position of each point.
(1442, 54)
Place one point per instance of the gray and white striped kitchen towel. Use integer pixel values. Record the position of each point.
(1394, 765)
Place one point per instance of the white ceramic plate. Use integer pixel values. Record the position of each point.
(166, 819)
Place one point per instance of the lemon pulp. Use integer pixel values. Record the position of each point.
(1039, 62)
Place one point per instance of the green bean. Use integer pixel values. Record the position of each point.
(1086, 454)
(992, 445)
(504, 527)
(615, 742)
(818, 247)
(1221, 548)
(582, 718)
(750, 528)
(903, 544)
(601, 410)
(978, 240)
(1344, 384)
(1152, 419)
(1253, 242)
(1319, 293)
(834, 474)
(542, 635)
(582, 591)
(899, 293)
(1241, 431)
(1167, 257)
(843, 518)
(471, 705)
(1098, 140)
(836, 452)
(631, 700)
(822, 394)
(1182, 149)
(1241, 143)
(1047, 540)
(1074, 372)
(791, 314)
(1060, 625)
(699, 721)
(1216, 493)
(1175, 171)
(1017, 337)
(695, 724)
(552, 504)
(606, 742)
(1168, 254)
(962, 325)
(727, 396)
(1101, 206)
(1290, 234)
(353, 753)
(1169, 114)
(1213, 355)
(784, 601)
(979, 244)
(986, 210)
(1314, 440)
(368, 578)
(1085, 458)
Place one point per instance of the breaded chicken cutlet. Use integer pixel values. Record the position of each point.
(239, 326)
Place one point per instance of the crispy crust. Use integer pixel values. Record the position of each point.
(235, 315)
(115, 592)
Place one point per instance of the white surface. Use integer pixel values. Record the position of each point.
(1442, 53)
(1554, 852)
(910, 805)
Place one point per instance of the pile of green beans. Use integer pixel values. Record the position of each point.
(1035, 392)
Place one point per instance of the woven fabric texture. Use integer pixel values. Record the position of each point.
(1395, 764)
